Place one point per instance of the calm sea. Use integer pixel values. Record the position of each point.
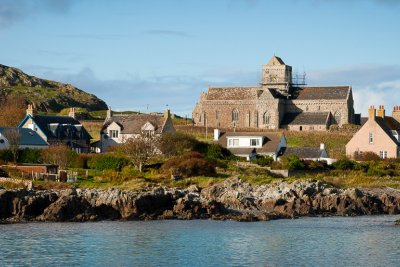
(335, 241)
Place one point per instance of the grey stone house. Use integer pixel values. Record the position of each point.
(279, 102)
(119, 128)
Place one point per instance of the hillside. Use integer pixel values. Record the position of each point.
(45, 95)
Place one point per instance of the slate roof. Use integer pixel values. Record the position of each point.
(232, 93)
(304, 152)
(61, 127)
(270, 142)
(132, 124)
(317, 93)
(280, 61)
(305, 118)
(28, 137)
(383, 124)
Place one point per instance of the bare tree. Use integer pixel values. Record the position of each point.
(140, 149)
(13, 137)
(12, 110)
(57, 155)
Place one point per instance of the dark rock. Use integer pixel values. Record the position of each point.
(231, 200)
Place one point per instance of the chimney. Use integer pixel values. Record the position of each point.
(396, 113)
(381, 111)
(217, 133)
(322, 146)
(109, 113)
(29, 110)
(167, 114)
(72, 112)
(371, 113)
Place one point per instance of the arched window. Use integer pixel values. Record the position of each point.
(266, 118)
(235, 115)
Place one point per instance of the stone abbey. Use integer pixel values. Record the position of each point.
(279, 102)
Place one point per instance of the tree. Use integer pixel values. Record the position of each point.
(139, 150)
(57, 155)
(12, 110)
(13, 137)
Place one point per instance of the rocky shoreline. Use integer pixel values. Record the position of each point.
(233, 199)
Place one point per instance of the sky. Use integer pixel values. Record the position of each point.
(146, 54)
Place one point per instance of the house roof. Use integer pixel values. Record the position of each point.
(270, 142)
(132, 124)
(232, 93)
(304, 152)
(276, 59)
(60, 127)
(305, 118)
(28, 137)
(386, 127)
(317, 93)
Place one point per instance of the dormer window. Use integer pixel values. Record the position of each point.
(113, 133)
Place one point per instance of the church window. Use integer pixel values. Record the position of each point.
(216, 114)
(248, 121)
(235, 115)
(306, 108)
(266, 118)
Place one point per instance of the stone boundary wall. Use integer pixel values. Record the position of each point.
(27, 183)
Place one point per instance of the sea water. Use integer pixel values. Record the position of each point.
(332, 241)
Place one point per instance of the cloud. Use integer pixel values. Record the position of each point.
(372, 84)
(13, 11)
(167, 33)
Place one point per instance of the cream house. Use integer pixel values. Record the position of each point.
(250, 144)
(119, 128)
(379, 134)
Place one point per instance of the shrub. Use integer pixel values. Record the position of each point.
(344, 164)
(263, 160)
(292, 163)
(79, 161)
(28, 155)
(188, 165)
(172, 144)
(215, 151)
(368, 156)
(6, 155)
(106, 162)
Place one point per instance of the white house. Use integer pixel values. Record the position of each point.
(250, 144)
(27, 138)
(310, 153)
(119, 128)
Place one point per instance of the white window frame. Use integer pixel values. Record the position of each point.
(371, 138)
(113, 134)
(257, 142)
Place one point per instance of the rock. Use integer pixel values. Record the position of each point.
(233, 199)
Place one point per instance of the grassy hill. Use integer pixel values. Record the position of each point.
(45, 95)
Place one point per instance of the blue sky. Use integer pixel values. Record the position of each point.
(138, 54)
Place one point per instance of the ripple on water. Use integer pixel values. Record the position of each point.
(335, 241)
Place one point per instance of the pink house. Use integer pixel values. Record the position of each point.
(379, 134)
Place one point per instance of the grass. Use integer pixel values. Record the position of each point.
(335, 142)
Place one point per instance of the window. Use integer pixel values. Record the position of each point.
(254, 142)
(233, 142)
(266, 118)
(371, 138)
(216, 114)
(113, 133)
(383, 154)
(235, 115)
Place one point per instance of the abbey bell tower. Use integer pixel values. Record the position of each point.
(277, 75)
